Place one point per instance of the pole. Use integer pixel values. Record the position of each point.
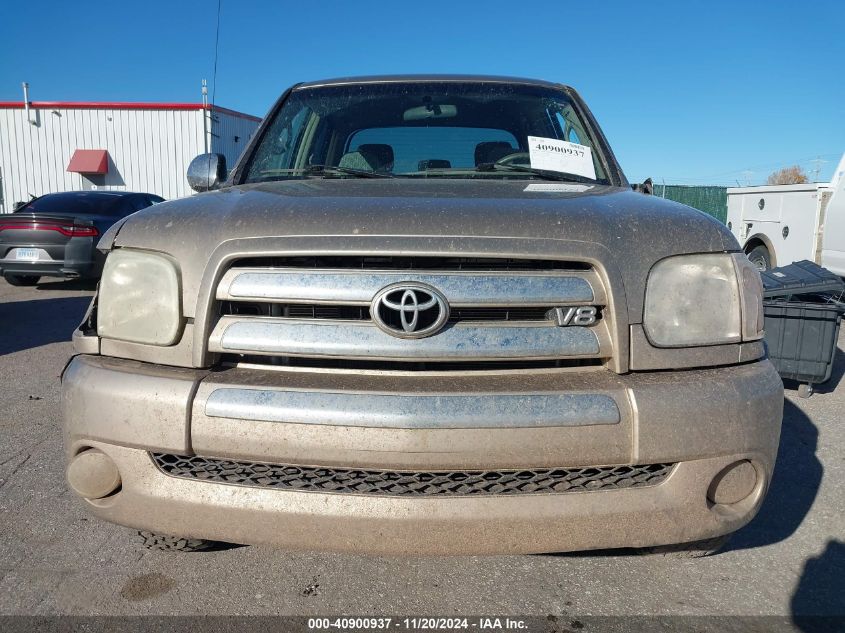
(818, 161)
(205, 116)
(26, 102)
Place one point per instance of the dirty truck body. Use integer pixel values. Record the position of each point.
(423, 352)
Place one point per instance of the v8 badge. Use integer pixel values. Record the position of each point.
(583, 315)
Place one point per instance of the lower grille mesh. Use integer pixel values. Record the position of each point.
(410, 483)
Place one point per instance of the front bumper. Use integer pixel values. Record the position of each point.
(48, 269)
(703, 420)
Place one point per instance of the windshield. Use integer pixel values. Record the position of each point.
(421, 129)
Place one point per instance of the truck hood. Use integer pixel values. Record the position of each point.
(633, 230)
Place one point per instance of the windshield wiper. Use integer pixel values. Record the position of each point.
(544, 173)
(319, 170)
(323, 170)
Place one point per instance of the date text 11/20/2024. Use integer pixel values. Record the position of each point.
(416, 624)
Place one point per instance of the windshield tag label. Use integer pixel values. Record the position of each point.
(562, 156)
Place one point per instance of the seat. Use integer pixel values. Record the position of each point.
(491, 151)
(369, 157)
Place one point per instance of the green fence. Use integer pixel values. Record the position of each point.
(710, 199)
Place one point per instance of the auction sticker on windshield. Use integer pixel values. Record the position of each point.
(562, 156)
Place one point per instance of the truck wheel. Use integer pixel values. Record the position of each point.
(759, 256)
(22, 280)
(695, 549)
(165, 543)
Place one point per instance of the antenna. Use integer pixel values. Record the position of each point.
(216, 48)
(747, 175)
(208, 112)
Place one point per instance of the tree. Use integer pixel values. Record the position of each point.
(787, 176)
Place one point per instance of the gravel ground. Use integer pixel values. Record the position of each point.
(55, 559)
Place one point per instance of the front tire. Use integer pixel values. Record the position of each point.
(695, 549)
(760, 257)
(22, 280)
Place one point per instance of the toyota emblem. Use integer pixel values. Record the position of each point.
(410, 310)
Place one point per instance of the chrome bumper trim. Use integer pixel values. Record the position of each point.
(380, 410)
(349, 339)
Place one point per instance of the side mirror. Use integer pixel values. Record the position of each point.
(647, 187)
(207, 172)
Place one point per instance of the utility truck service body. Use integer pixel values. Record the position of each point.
(781, 224)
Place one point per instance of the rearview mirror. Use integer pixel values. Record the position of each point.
(207, 172)
(430, 111)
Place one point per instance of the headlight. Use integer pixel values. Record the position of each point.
(703, 300)
(751, 292)
(139, 298)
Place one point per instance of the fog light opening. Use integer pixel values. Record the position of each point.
(733, 483)
(93, 475)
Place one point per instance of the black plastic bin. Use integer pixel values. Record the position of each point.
(800, 278)
(803, 310)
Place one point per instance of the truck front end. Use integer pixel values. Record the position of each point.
(398, 356)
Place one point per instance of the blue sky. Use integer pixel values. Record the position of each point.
(690, 92)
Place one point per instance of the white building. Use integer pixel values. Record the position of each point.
(47, 147)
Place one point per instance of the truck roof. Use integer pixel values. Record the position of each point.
(372, 79)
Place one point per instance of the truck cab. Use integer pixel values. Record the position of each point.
(833, 241)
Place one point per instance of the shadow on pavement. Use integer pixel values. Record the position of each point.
(795, 484)
(29, 324)
(69, 284)
(818, 603)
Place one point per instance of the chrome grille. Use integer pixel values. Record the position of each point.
(377, 262)
(501, 310)
(362, 313)
(412, 483)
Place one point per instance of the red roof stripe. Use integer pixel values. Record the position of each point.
(116, 105)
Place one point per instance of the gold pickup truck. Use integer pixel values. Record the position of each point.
(423, 314)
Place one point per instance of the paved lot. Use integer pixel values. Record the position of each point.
(54, 558)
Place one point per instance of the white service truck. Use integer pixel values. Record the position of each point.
(781, 224)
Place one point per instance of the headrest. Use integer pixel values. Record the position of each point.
(379, 155)
(491, 151)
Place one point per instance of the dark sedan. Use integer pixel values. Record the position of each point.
(56, 235)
